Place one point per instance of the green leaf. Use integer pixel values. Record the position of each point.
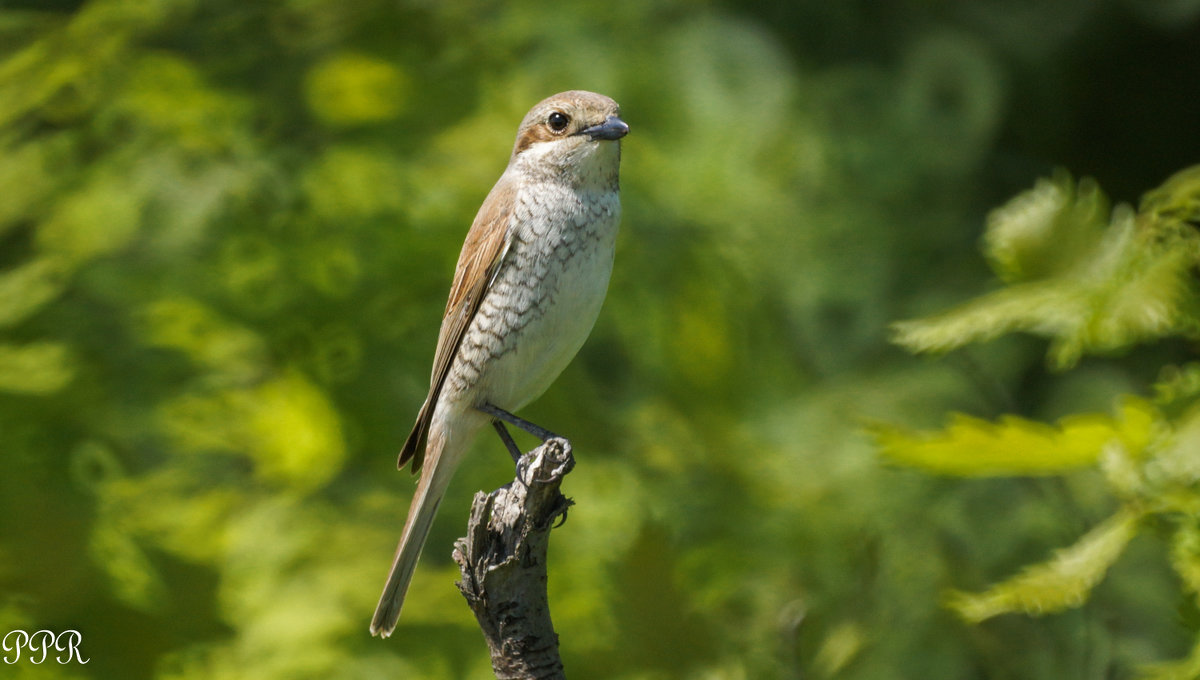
(28, 287)
(1177, 200)
(972, 447)
(1044, 308)
(286, 425)
(1063, 582)
(1134, 287)
(1047, 229)
(1177, 385)
(100, 218)
(1172, 471)
(35, 368)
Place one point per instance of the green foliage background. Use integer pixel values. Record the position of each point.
(226, 236)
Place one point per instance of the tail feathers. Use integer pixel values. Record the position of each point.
(441, 455)
(416, 529)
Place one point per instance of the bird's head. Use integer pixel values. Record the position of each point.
(572, 134)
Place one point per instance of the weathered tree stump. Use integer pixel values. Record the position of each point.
(503, 563)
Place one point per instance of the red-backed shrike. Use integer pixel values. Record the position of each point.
(529, 283)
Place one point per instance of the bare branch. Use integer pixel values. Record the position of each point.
(503, 563)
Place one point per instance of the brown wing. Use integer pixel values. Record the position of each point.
(482, 252)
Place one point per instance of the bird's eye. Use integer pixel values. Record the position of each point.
(558, 121)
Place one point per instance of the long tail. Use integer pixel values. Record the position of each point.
(439, 466)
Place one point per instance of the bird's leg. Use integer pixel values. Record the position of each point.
(513, 449)
(500, 414)
(499, 417)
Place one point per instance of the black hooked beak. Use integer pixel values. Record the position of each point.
(612, 128)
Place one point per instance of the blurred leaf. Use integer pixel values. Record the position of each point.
(839, 648)
(286, 425)
(62, 74)
(178, 509)
(1174, 469)
(1177, 384)
(1135, 287)
(203, 336)
(354, 89)
(134, 579)
(36, 368)
(1061, 583)
(166, 95)
(1016, 446)
(348, 183)
(101, 218)
(29, 175)
(1046, 230)
(26, 288)
(1177, 200)
(293, 431)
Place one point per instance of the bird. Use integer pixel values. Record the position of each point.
(530, 280)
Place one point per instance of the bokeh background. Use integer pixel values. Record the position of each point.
(226, 235)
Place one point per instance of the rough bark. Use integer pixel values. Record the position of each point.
(503, 563)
